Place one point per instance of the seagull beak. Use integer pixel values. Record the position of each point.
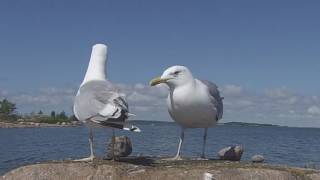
(158, 80)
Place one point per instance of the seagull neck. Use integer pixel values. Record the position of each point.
(189, 84)
(96, 69)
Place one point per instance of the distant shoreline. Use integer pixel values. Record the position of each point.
(232, 123)
(36, 125)
(249, 124)
(6, 124)
(221, 124)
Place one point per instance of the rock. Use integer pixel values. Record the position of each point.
(257, 159)
(37, 124)
(231, 153)
(122, 147)
(58, 123)
(164, 170)
(20, 120)
(63, 123)
(314, 176)
(208, 176)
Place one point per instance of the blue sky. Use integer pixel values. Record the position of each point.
(258, 49)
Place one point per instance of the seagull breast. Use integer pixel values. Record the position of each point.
(190, 106)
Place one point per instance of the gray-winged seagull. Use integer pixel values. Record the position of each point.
(192, 103)
(97, 101)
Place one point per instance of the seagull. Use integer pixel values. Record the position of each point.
(192, 103)
(97, 102)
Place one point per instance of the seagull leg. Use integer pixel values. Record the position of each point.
(178, 157)
(91, 143)
(204, 143)
(91, 157)
(113, 142)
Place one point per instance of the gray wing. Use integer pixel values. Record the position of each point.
(216, 98)
(99, 103)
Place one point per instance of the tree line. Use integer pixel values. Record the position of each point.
(8, 113)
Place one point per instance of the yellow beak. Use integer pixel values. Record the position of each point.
(158, 80)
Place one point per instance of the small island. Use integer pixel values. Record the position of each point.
(247, 124)
(10, 118)
(152, 122)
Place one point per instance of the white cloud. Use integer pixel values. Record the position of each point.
(282, 92)
(57, 91)
(3, 93)
(314, 110)
(139, 86)
(46, 99)
(292, 111)
(144, 101)
(274, 106)
(137, 97)
(290, 100)
(244, 103)
(232, 90)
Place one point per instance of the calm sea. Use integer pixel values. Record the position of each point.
(279, 145)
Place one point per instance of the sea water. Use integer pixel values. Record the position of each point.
(279, 145)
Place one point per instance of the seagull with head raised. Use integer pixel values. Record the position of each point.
(192, 103)
(97, 102)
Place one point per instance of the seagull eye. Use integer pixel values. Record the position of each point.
(176, 72)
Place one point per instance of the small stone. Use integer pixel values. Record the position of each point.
(208, 176)
(122, 147)
(257, 159)
(138, 171)
(231, 153)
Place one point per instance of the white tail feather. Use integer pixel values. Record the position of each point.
(131, 128)
(131, 115)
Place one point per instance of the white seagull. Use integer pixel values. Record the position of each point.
(192, 103)
(97, 102)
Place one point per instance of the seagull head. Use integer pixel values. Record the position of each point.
(174, 76)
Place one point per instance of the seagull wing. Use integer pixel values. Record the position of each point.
(216, 99)
(99, 103)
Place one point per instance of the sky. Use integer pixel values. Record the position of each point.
(263, 55)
